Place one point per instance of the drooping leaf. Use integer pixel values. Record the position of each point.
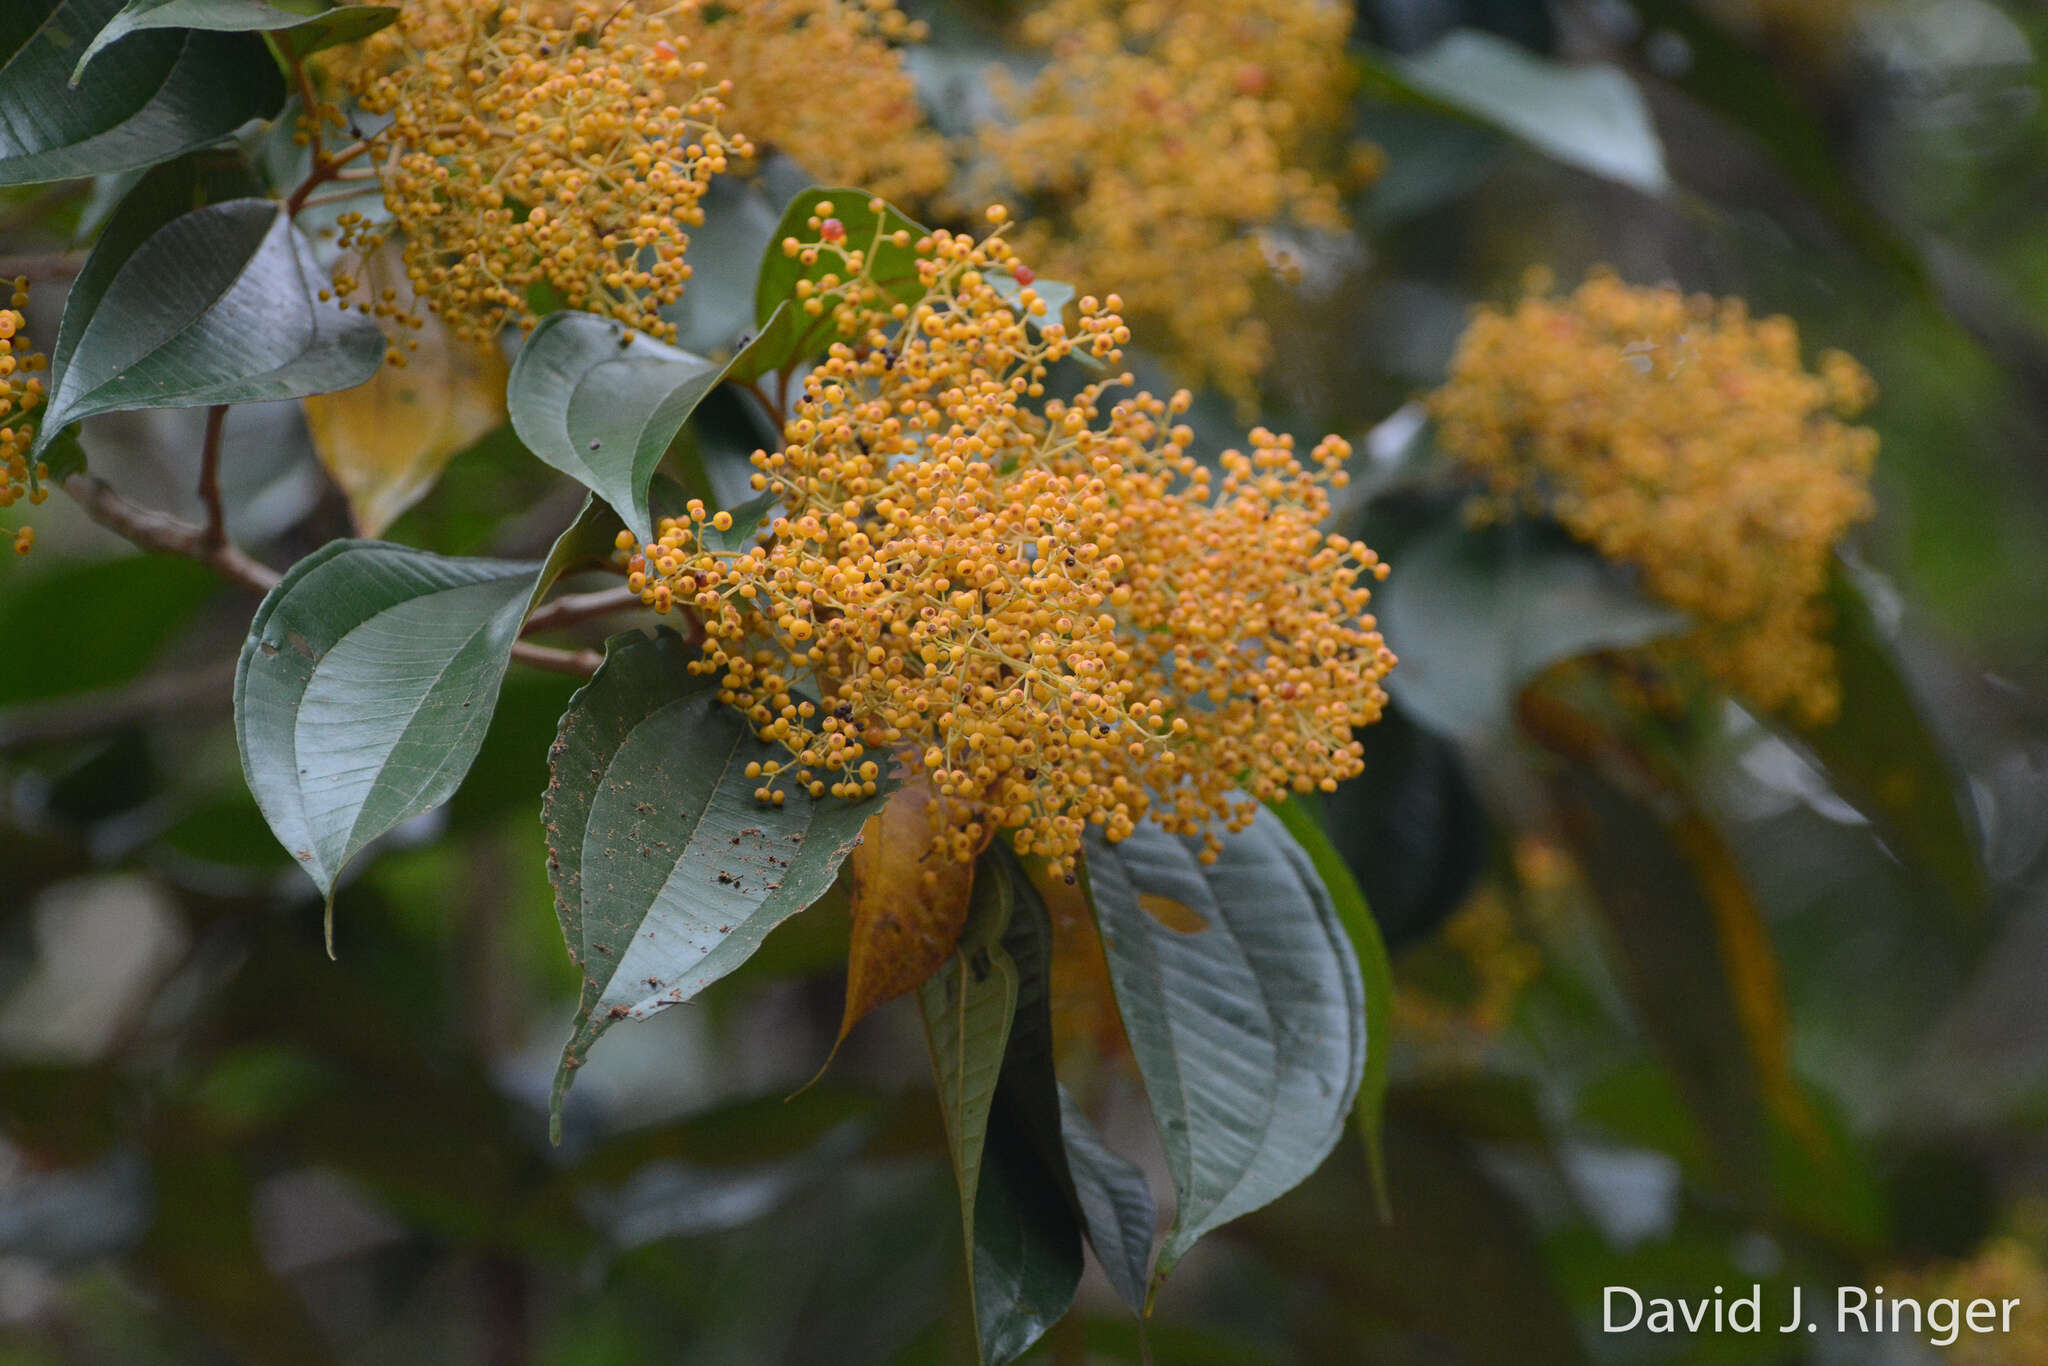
(601, 403)
(165, 93)
(1590, 116)
(1474, 613)
(668, 872)
(298, 32)
(1116, 1205)
(785, 332)
(967, 1007)
(1250, 1035)
(367, 682)
(1026, 1260)
(386, 442)
(1376, 971)
(909, 903)
(1883, 758)
(159, 196)
(220, 305)
(365, 688)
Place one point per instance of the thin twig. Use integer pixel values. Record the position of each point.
(325, 167)
(573, 608)
(575, 663)
(768, 407)
(215, 533)
(338, 197)
(152, 530)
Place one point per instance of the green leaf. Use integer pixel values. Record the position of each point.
(220, 305)
(369, 679)
(725, 250)
(1475, 613)
(787, 333)
(967, 1007)
(365, 688)
(1250, 1033)
(1883, 758)
(1116, 1205)
(1588, 115)
(601, 403)
(1374, 968)
(1026, 1260)
(165, 93)
(162, 195)
(668, 873)
(300, 33)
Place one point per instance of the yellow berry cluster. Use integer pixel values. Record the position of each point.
(1161, 145)
(21, 391)
(823, 82)
(1049, 607)
(1682, 436)
(564, 145)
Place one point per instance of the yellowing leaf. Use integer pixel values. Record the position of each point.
(1172, 914)
(387, 441)
(909, 903)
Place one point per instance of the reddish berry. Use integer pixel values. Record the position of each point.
(1024, 275)
(832, 230)
(663, 51)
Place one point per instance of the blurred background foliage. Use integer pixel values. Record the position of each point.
(1683, 1001)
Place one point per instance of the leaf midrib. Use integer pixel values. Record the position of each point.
(57, 403)
(353, 846)
(696, 823)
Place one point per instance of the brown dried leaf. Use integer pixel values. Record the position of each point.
(909, 903)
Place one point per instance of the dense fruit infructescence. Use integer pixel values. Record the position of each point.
(1049, 606)
(1685, 437)
(1162, 140)
(564, 145)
